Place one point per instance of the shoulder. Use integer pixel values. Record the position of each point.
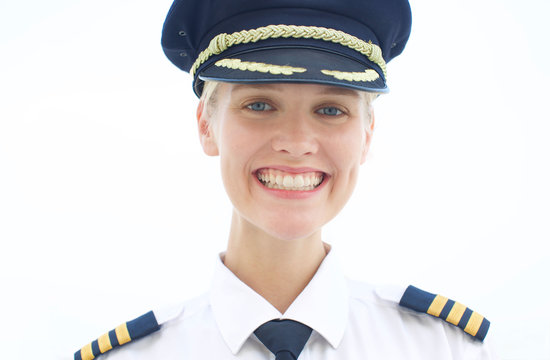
(411, 323)
(451, 311)
(413, 305)
(150, 329)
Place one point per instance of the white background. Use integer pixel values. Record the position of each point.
(108, 207)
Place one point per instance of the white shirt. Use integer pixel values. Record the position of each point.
(350, 320)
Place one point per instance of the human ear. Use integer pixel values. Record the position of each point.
(369, 129)
(206, 135)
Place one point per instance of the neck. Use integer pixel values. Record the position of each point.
(277, 269)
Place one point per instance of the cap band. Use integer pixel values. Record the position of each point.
(222, 42)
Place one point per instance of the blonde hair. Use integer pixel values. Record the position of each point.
(209, 97)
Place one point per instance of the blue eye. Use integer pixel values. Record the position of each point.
(330, 111)
(259, 106)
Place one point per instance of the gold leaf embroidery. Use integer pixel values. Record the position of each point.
(237, 64)
(368, 75)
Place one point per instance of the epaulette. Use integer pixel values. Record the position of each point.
(449, 310)
(123, 334)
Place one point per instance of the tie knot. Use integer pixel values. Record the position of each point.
(284, 338)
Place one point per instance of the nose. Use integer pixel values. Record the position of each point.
(296, 138)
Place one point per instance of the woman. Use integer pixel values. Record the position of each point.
(286, 91)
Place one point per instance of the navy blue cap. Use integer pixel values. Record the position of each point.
(335, 42)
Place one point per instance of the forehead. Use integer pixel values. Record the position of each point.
(286, 88)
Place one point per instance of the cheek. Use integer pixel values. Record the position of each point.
(238, 146)
(231, 136)
(348, 148)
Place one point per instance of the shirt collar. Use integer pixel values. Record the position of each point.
(322, 305)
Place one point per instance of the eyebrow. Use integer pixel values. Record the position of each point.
(326, 90)
(336, 90)
(261, 86)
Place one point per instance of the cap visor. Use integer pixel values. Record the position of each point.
(301, 65)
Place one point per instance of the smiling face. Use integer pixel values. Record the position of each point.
(289, 153)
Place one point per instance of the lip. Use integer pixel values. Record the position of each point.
(291, 170)
(292, 194)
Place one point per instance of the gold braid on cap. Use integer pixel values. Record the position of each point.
(222, 42)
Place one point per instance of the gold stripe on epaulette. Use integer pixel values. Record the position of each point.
(437, 305)
(122, 334)
(367, 75)
(237, 64)
(473, 325)
(456, 313)
(222, 42)
(86, 352)
(104, 343)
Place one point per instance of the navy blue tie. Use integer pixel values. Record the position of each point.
(284, 338)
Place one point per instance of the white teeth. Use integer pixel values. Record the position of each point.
(288, 182)
(276, 186)
(275, 179)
